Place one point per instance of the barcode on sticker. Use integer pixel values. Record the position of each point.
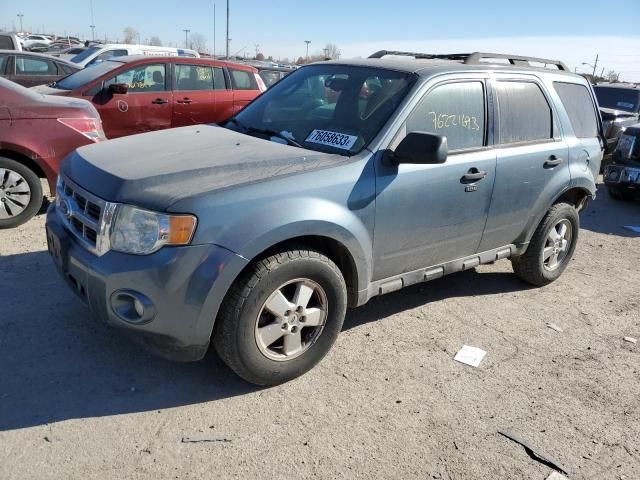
(332, 139)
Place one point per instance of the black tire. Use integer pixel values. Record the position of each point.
(618, 194)
(34, 203)
(235, 336)
(530, 266)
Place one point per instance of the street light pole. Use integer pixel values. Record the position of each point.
(228, 39)
(186, 37)
(307, 42)
(257, 45)
(92, 26)
(20, 15)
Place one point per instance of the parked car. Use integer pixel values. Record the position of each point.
(271, 75)
(622, 175)
(620, 108)
(257, 235)
(36, 133)
(139, 94)
(30, 69)
(31, 40)
(10, 41)
(98, 53)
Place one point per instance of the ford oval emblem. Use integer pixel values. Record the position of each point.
(66, 209)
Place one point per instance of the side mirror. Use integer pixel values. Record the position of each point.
(118, 88)
(421, 147)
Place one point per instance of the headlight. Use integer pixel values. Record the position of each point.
(142, 232)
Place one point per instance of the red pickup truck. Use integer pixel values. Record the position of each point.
(136, 94)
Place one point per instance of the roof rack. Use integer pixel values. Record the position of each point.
(476, 58)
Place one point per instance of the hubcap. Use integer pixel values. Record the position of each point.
(15, 193)
(557, 245)
(291, 320)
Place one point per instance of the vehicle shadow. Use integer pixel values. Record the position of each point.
(56, 363)
(609, 216)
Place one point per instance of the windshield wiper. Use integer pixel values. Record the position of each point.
(265, 131)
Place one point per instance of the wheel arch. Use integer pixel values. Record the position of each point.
(29, 161)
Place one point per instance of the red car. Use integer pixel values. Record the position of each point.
(36, 133)
(138, 94)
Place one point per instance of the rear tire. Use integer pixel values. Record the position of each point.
(20, 193)
(551, 246)
(281, 316)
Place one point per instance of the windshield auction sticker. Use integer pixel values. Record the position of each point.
(332, 139)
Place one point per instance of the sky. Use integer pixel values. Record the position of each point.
(569, 30)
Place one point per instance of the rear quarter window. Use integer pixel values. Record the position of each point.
(6, 43)
(243, 80)
(580, 109)
(524, 113)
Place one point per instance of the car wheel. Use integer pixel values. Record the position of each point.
(20, 193)
(281, 317)
(551, 246)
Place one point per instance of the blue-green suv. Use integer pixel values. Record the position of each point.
(345, 180)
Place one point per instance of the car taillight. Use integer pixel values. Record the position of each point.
(261, 85)
(89, 127)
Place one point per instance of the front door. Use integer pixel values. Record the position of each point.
(146, 106)
(431, 214)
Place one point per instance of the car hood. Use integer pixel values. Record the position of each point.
(612, 113)
(155, 170)
(47, 90)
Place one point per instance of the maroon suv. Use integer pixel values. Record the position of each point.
(138, 94)
(36, 133)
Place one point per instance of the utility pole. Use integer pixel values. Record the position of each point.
(228, 39)
(212, 44)
(326, 52)
(92, 26)
(257, 45)
(20, 15)
(307, 42)
(595, 65)
(186, 37)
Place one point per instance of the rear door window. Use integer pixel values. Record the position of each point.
(579, 106)
(525, 114)
(243, 80)
(193, 77)
(3, 62)
(34, 66)
(145, 78)
(454, 110)
(219, 82)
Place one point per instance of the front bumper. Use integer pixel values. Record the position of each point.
(182, 288)
(622, 175)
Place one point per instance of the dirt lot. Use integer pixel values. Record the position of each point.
(78, 400)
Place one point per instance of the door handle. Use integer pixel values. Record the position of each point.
(553, 161)
(184, 100)
(160, 101)
(473, 175)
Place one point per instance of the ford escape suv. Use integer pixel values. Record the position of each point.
(346, 180)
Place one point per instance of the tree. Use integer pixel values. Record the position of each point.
(332, 51)
(260, 57)
(130, 35)
(198, 42)
(612, 76)
(300, 61)
(155, 41)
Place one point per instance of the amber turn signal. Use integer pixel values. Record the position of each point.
(181, 229)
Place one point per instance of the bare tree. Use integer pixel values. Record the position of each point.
(198, 42)
(155, 41)
(260, 56)
(612, 76)
(130, 35)
(332, 51)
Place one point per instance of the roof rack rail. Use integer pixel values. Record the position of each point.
(476, 58)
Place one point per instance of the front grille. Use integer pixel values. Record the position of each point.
(81, 211)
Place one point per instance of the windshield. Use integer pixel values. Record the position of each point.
(87, 53)
(324, 107)
(618, 98)
(87, 75)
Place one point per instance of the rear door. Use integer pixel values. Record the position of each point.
(31, 71)
(146, 106)
(245, 87)
(222, 95)
(532, 159)
(193, 95)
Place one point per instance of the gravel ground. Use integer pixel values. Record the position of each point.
(78, 400)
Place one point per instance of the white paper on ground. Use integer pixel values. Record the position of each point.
(470, 355)
(556, 476)
(633, 228)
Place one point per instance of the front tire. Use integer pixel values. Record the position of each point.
(281, 317)
(551, 246)
(20, 193)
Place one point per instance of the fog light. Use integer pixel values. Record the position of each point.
(132, 307)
